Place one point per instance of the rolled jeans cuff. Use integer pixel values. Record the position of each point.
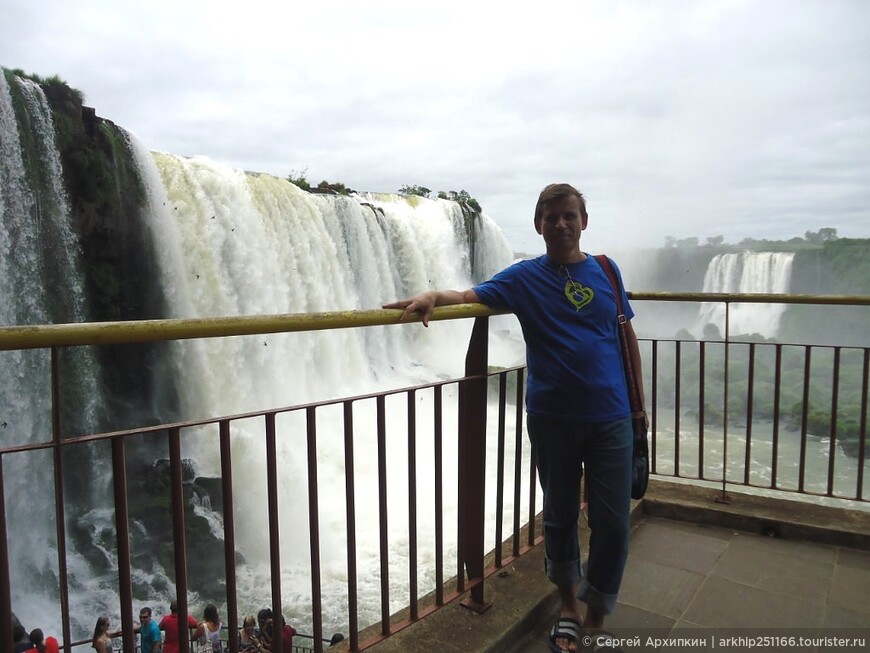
(564, 574)
(598, 601)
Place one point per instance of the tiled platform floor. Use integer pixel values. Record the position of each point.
(690, 580)
(697, 568)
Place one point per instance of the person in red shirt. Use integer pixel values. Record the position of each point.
(169, 625)
(287, 632)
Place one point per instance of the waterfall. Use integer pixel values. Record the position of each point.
(746, 272)
(236, 243)
(40, 282)
(225, 243)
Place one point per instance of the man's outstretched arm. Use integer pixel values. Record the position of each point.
(425, 302)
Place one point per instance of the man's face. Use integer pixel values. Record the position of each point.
(561, 223)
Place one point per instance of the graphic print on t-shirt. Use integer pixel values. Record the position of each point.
(578, 294)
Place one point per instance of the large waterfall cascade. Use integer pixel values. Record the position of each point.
(235, 243)
(232, 243)
(746, 272)
(40, 282)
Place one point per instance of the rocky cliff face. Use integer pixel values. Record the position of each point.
(106, 198)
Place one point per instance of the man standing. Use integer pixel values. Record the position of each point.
(169, 625)
(577, 404)
(149, 633)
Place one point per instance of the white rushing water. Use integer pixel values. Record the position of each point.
(36, 243)
(233, 243)
(746, 272)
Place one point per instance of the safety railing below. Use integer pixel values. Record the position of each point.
(438, 508)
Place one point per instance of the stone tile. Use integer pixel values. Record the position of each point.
(658, 588)
(680, 545)
(850, 587)
(723, 603)
(837, 617)
(854, 559)
(777, 565)
(629, 618)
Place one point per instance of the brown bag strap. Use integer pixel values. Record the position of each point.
(634, 397)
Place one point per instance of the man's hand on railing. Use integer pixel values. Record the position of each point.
(425, 302)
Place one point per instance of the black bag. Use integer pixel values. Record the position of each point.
(639, 464)
(640, 457)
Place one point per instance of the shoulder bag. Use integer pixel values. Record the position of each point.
(640, 457)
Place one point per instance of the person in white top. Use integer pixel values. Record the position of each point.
(209, 630)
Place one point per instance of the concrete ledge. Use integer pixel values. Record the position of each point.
(520, 597)
(786, 516)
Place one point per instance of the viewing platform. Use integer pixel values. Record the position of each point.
(698, 569)
(403, 530)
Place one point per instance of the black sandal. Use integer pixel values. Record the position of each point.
(565, 628)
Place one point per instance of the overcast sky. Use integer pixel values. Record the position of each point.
(675, 117)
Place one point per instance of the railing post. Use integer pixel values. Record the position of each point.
(60, 518)
(6, 639)
(472, 459)
(122, 532)
(229, 535)
(179, 542)
(274, 534)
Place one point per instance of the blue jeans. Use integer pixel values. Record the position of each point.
(563, 448)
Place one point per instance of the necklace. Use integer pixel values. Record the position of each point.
(578, 294)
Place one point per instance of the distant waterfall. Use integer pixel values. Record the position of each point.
(747, 272)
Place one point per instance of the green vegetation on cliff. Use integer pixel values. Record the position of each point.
(462, 197)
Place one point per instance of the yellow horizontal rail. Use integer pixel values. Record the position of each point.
(136, 331)
(752, 298)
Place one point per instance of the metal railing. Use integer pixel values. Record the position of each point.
(474, 397)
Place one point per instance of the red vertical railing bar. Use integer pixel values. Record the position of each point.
(314, 528)
(654, 402)
(472, 461)
(229, 535)
(777, 398)
(750, 394)
(382, 515)
(702, 385)
(125, 583)
(678, 363)
(350, 503)
(178, 536)
(835, 395)
(60, 517)
(439, 494)
(460, 547)
(6, 637)
(518, 471)
(862, 430)
(727, 382)
(274, 530)
(412, 505)
(499, 485)
(805, 411)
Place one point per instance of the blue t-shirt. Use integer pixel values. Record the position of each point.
(148, 634)
(568, 316)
